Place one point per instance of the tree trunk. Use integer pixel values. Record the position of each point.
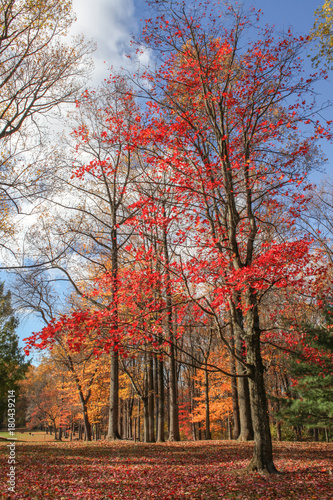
(278, 431)
(174, 434)
(113, 432)
(168, 400)
(139, 420)
(123, 416)
(161, 400)
(277, 407)
(262, 460)
(87, 426)
(247, 432)
(244, 404)
(151, 398)
(156, 398)
(55, 432)
(229, 429)
(86, 423)
(327, 434)
(207, 430)
(146, 434)
(134, 434)
(245, 417)
(234, 395)
(297, 432)
(192, 401)
(316, 434)
(130, 418)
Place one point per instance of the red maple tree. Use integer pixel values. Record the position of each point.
(230, 113)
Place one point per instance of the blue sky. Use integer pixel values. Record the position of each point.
(285, 13)
(110, 23)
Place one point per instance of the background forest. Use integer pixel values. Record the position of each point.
(165, 228)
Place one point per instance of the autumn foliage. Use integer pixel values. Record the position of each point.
(201, 266)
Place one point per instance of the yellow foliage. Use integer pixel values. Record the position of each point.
(220, 401)
(322, 33)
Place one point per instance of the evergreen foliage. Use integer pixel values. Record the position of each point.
(12, 359)
(312, 403)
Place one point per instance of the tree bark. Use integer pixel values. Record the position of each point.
(262, 460)
(113, 432)
(161, 416)
(151, 399)
(139, 420)
(191, 387)
(156, 398)
(207, 419)
(123, 417)
(146, 433)
(278, 431)
(86, 423)
(234, 395)
(174, 434)
(245, 417)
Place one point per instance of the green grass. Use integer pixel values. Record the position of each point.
(26, 437)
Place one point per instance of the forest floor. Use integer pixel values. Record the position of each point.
(205, 470)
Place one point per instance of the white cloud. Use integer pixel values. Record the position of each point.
(144, 57)
(110, 24)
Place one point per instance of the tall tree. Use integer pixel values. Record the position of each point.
(230, 121)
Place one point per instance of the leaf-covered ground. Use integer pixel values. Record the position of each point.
(186, 470)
